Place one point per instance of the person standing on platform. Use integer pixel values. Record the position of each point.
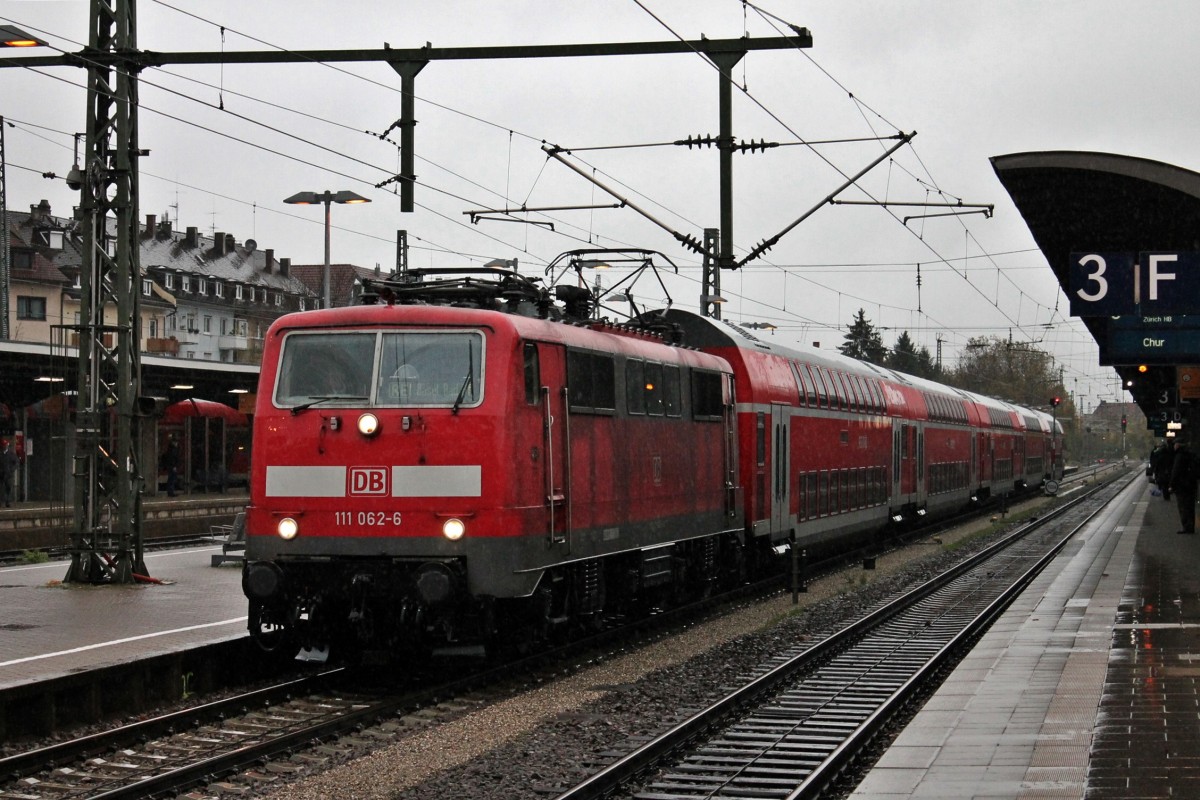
(1160, 462)
(1184, 473)
(8, 471)
(170, 464)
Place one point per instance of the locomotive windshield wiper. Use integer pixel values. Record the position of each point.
(467, 381)
(314, 399)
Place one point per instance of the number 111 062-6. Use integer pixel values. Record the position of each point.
(366, 518)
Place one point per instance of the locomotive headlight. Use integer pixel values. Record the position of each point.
(287, 528)
(368, 424)
(453, 529)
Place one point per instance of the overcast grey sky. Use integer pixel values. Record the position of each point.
(974, 80)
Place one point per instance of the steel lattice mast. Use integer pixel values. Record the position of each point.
(106, 542)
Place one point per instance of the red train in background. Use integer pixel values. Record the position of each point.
(472, 460)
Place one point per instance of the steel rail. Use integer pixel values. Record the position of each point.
(703, 723)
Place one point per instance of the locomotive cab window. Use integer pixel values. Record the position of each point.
(435, 368)
(707, 403)
(443, 368)
(533, 374)
(325, 366)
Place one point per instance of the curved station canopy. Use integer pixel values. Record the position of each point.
(1096, 218)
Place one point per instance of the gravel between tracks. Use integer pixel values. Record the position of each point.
(543, 740)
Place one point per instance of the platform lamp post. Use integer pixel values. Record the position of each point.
(344, 197)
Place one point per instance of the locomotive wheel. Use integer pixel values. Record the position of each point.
(272, 631)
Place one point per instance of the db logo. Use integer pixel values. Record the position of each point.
(367, 481)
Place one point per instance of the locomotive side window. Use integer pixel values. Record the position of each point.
(654, 389)
(327, 366)
(707, 403)
(430, 369)
(635, 386)
(592, 380)
(672, 402)
(533, 374)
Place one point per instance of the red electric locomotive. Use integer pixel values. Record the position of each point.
(430, 474)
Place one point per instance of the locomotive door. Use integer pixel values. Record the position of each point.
(781, 495)
(555, 443)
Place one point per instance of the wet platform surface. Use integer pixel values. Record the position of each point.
(1087, 687)
(48, 630)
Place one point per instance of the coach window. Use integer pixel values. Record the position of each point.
(822, 393)
(876, 395)
(848, 392)
(672, 404)
(855, 397)
(837, 394)
(809, 395)
(761, 438)
(635, 386)
(707, 403)
(860, 393)
(533, 374)
(839, 391)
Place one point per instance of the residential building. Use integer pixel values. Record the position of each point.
(208, 298)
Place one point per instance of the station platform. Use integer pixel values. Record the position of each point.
(50, 630)
(28, 525)
(1087, 687)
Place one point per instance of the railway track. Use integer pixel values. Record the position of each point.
(793, 730)
(248, 740)
(244, 742)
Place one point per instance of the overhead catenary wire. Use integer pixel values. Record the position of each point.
(393, 89)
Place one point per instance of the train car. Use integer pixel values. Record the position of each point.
(817, 440)
(835, 449)
(432, 476)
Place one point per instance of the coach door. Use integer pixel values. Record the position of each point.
(556, 446)
(780, 458)
(904, 461)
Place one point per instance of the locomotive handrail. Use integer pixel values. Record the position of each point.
(568, 494)
(548, 442)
